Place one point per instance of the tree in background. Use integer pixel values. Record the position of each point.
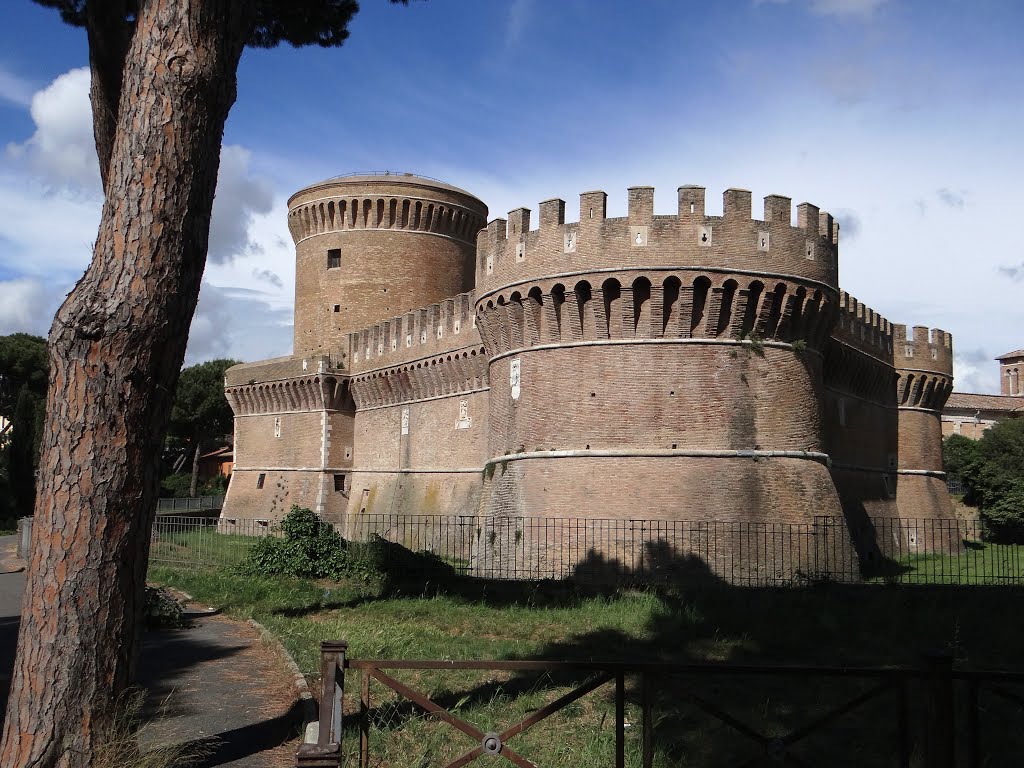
(22, 406)
(201, 412)
(163, 80)
(22, 452)
(992, 471)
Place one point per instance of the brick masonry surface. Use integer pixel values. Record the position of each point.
(683, 367)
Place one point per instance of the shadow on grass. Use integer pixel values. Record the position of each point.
(700, 618)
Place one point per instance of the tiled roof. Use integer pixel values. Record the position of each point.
(1018, 353)
(973, 402)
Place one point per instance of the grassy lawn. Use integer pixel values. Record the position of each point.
(458, 618)
(976, 563)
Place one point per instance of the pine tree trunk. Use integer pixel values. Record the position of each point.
(194, 485)
(115, 350)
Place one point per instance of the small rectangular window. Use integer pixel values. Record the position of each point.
(339, 483)
(261, 479)
(277, 426)
(337, 307)
(333, 258)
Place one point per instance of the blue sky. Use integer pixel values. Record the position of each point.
(902, 118)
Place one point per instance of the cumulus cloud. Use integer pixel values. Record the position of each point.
(14, 89)
(240, 196)
(974, 371)
(239, 324)
(61, 154)
(62, 151)
(267, 276)
(26, 306)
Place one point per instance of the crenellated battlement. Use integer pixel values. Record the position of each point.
(430, 330)
(509, 252)
(864, 329)
(926, 349)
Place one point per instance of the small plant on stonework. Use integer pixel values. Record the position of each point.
(799, 346)
(489, 471)
(756, 343)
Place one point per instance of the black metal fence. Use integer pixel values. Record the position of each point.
(892, 550)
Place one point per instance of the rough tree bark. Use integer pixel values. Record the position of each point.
(116, 347)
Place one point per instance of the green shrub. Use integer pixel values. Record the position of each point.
(308, 549)
(162, 610)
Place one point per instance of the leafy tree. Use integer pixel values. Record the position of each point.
(992, 470)
(163, 81)
(21, 458)
(960, 458)
(22, 364)
(201, 412)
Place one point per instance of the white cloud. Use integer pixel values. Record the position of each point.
(25, 307)
(62, 151)
(239, 324)
(240, 196)
(15, 89)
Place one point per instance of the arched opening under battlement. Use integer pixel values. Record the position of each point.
(670, 289)
(777, 298)
(701, 287)
(641, 306)
(611, 294)
(725, 310)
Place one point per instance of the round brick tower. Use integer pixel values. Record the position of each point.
(924, 362)
(369, 247)
(660, 367)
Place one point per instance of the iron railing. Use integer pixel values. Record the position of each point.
(889, 550)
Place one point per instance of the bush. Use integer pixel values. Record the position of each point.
(162, 610)
(176, 486)
(308, 549)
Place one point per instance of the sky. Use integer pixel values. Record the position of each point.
(904, 119)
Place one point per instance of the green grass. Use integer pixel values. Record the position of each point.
(466, 619)
(201, 547)
(975, 564)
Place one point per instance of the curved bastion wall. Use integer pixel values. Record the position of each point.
(658, 366)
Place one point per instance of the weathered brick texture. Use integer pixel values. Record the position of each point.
(684, 367)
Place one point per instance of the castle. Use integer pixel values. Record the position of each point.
(682, 367)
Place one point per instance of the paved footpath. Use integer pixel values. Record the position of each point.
(215, 684)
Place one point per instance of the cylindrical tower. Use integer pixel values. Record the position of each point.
(370, 247)
(924, 362)
(660, 367)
